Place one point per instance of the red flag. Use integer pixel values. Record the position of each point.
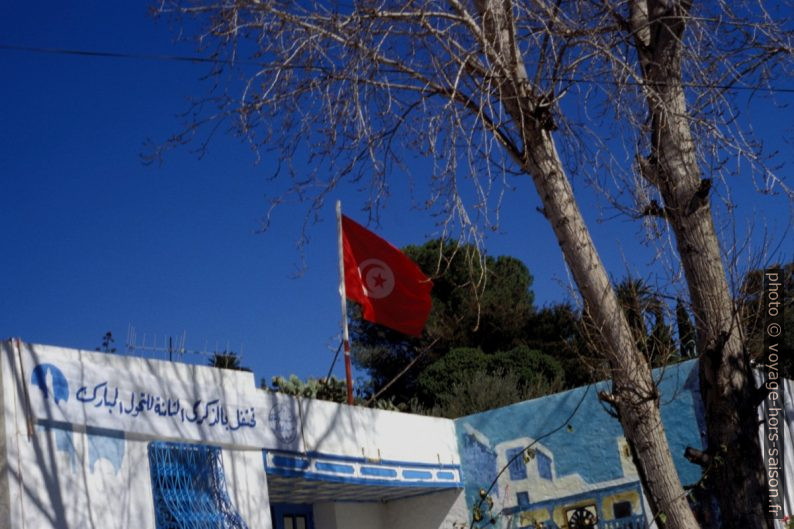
(389, 286)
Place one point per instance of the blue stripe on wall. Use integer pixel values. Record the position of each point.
(390, 462)
(379, 472)
(290, 462)
(335, 467)
(417, 474)
(363, 481)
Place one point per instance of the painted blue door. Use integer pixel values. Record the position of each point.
(292, 516)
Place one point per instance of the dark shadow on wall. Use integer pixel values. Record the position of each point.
(49, 502)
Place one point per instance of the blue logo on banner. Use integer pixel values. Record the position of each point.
(51, 382)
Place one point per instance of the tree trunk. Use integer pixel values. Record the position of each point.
(727, 384)
(635, 396)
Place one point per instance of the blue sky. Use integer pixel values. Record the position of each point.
(94, 240)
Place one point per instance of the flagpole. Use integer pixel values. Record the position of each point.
(343, 296)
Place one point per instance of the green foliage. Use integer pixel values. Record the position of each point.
(107, 343)
(227, 360)
(486, 346)
(557, 331)
(488, 390)
(645, 313)
(515, 371)
(331, 389)
(472, 307)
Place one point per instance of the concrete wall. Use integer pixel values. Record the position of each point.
(246, 484)
(5, 497)
(579, 456)
(377, 434)
(74, 441)
(435, 510)
(85, 473)
(66, 479)
(439, 510)
(76, 428)
(352, 515)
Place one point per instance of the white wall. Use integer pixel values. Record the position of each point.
(246, 484)
(436, 510)
(69, 476)
(60, 482)
(359, 516)
(325, 515)
(281, 422)
(377, 434)
(349, 515)
(5, 498)
(57, 477)
(72, 477)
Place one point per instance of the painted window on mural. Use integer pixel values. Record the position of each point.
(189, 487)
(621, 509)
(523, 499)
(544, 465)
(518, 470)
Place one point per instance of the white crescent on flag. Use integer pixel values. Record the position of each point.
(377, 278)
(371, 268)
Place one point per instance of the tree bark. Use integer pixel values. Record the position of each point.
(634, 393)
(726, 382)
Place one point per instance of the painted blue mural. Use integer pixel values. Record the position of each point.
(51, 381)
(64, 442)
(109, 445)
(478, 460)
(580, 471)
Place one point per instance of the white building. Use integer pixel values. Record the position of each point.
(91, 440)
(96, 440)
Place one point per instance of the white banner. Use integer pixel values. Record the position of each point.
(134, 395)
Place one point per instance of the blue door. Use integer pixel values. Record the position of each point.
(292, 516)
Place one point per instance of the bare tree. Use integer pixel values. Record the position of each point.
(725, 45)
(480, 87)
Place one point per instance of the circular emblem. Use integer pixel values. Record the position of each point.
(283, 423)
(377, 278)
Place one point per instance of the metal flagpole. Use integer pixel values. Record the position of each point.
(343, 296)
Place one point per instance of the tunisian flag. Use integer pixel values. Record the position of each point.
(390, 287)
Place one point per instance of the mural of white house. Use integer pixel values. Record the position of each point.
(578, 471)
(90, 439)
(531, 474)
